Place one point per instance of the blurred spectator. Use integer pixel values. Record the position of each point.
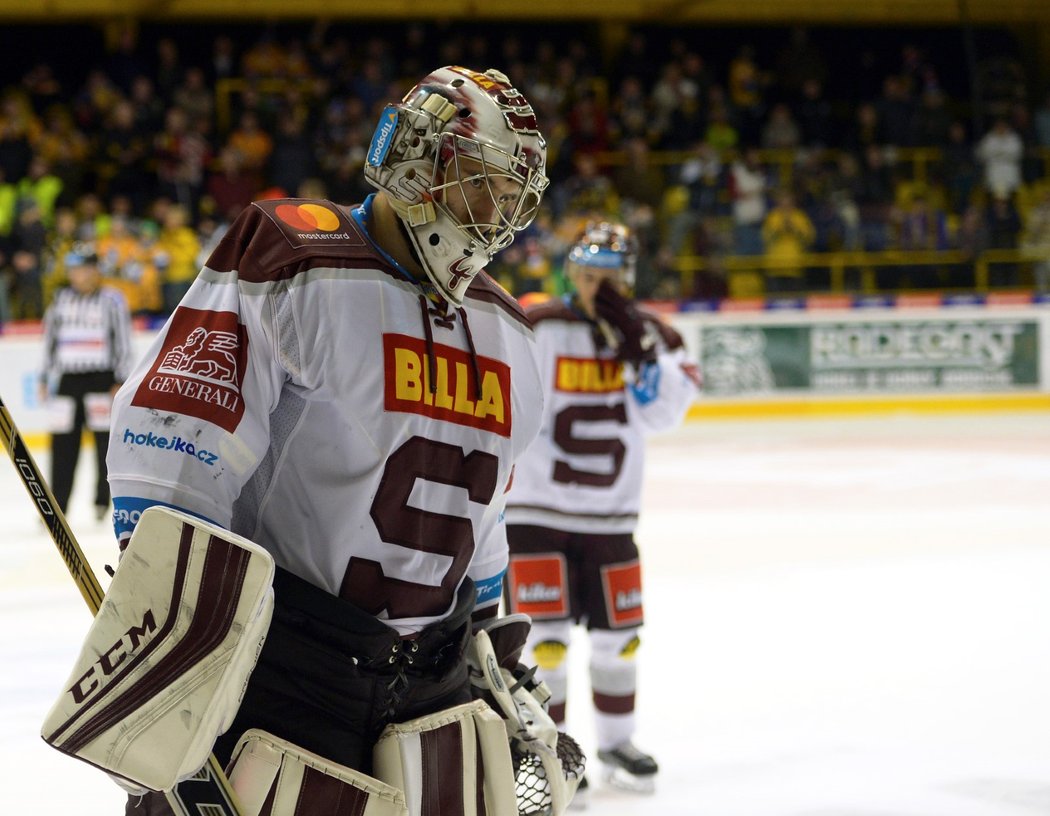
(720, 133)
(921, 227)
(1041, 122)
(28, 238)
(896, 113)
(126, 267)
(630, 114)
(800, 63)
(65, 150)
(43, 187)
(959, 168)
(815, 116)
(194, 96)
(866, 130)
(639, 182)
(8, 206)
(1036, 240)
(181, 155)
(933, 119)
(875, 197)
(586, 191)
(781, 131)
(149, 108)
(1001, 151)
(702, 180)
(252, 143)
(229, 189)
(1004, 232)
(178, 243)
(747, 83)
(588, 124)
(787, 234)
(19, 128)
(122, 157)
(748, 187)
(167, 72)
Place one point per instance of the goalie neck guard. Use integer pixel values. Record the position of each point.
(462, 161)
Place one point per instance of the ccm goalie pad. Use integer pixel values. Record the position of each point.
(272, 777)
(165, 663)
(455, 762)
(548, 765)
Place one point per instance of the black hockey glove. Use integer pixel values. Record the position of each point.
(636, 345)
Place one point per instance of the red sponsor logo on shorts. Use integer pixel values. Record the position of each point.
(622, 585)
(200, 369)
(539, 586)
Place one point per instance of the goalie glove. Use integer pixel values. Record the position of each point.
(624, 329)
(548, 765)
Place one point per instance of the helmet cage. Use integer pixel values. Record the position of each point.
(497, 194)
(463, 164)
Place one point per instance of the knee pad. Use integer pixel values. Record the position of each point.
(612, 647)
(548, 644)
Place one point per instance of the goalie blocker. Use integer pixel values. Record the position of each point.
(165, 663)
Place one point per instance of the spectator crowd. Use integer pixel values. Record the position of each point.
(148, 154)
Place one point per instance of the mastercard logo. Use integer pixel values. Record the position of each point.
(308, 217)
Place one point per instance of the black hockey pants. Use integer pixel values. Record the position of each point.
(330, 677)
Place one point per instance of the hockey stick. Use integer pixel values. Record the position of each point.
(206, 793)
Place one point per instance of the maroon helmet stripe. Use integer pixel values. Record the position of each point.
(220, 590)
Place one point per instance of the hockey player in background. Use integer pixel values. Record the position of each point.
(346, 387)
(611, 373)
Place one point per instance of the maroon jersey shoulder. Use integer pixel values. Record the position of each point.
(552, 310)
(485, 289)
(280, 238)
(670, 336)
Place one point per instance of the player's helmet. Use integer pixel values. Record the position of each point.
(605, 245)
(463, 162)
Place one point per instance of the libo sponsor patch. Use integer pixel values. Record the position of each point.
(200, 369)
(622, 585)
(539, 586)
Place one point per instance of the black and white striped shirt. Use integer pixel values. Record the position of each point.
(88, 332)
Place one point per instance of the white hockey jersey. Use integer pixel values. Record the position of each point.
(584, 471)
(309, 397)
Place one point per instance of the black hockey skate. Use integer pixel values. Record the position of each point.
(628, 768)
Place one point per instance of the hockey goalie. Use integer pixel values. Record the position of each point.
(343, 386)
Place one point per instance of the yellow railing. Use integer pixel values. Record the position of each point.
(745, 273)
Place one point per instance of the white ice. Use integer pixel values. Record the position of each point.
(844, 618)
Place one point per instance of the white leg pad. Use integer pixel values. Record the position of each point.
(454, 762)
(164, 666)
(273, 777)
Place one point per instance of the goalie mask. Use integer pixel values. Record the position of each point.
(462, 161)
(605, 246)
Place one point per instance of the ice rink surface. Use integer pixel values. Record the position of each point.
(844, 618)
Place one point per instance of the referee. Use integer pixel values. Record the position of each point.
(87, 355)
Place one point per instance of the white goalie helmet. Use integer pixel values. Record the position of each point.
(462, 161)
(605, 245)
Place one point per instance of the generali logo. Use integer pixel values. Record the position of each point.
(588, 375)
(200, 369)
(455, 396)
